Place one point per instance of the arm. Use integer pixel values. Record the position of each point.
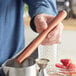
(42, 12)
(41, 6)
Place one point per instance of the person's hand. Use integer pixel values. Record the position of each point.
(41, 22)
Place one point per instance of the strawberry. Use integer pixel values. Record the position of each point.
(71, 67)
(66, 62)
(60, 66)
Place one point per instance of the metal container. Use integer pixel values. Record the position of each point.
(28, 68)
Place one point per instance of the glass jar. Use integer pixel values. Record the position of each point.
(49, 52)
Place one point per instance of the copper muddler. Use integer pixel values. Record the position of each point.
(34, 44)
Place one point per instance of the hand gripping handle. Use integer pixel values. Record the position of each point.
(34, 44)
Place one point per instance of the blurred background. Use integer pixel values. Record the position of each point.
(67, 48)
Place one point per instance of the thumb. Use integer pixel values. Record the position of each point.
(41, 25)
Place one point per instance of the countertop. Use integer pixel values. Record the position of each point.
(69, 24)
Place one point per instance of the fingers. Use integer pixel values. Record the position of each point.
(48, 41)
(49, 19)
(54, 37)
(57, 30)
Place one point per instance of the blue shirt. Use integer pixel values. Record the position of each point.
(12, 25)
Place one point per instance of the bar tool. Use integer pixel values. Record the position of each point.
(42, 63)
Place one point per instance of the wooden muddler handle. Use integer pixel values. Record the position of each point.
(34, 44)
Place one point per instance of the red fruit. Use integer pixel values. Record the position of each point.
(71, 67)
(66, 62)
(73, 73)
(60, 66)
